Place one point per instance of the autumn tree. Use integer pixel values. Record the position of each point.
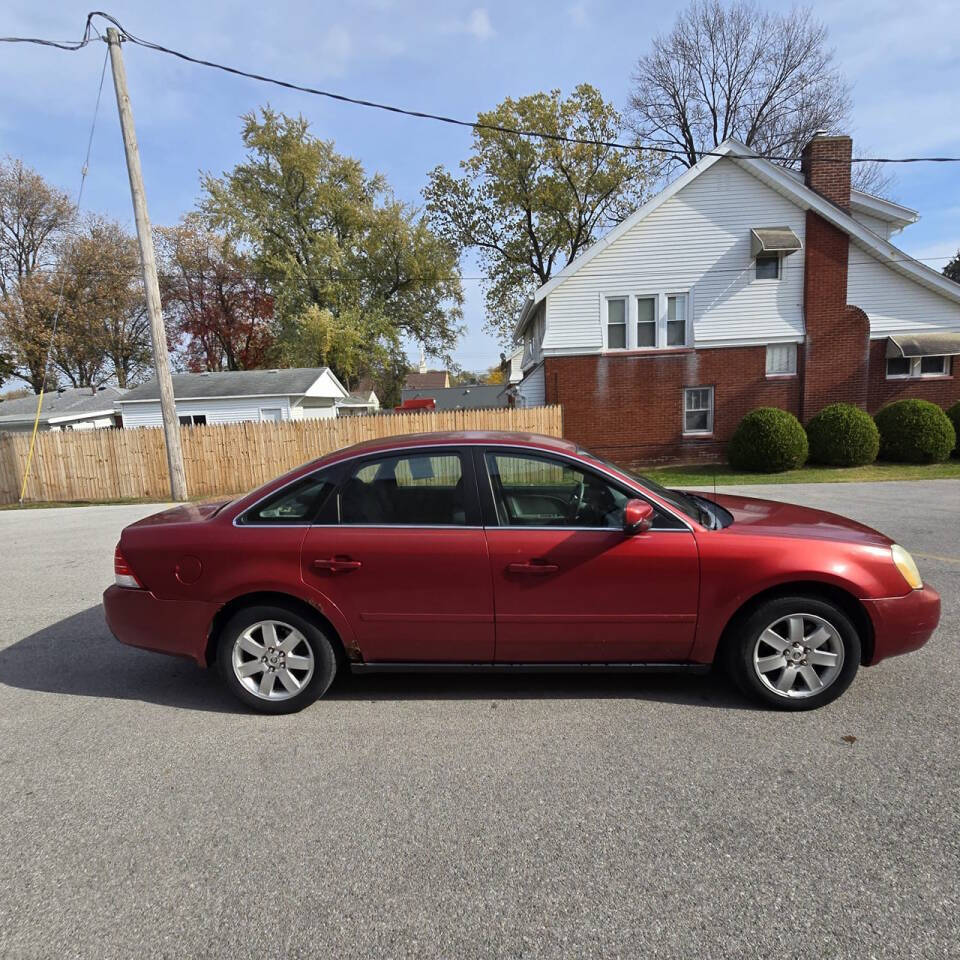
(529, 205)
(219, 310)
(355, 274)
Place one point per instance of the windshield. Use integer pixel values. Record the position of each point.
(692, 507)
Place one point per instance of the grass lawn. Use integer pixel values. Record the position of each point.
(703, 475)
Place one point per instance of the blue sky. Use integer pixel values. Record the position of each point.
(450, 58)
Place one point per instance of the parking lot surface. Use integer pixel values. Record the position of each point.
(147, 814)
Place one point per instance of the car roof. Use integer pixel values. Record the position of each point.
(452, 438)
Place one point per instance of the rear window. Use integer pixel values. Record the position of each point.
(297, 503)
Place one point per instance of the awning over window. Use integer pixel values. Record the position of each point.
(773, 240)
(924, 345)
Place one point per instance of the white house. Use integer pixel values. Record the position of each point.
(742, 284)
(81, 408)
(237, 395)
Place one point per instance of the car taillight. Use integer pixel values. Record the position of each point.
(124, 576)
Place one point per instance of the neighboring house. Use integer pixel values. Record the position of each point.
(467, 396)
(358, 403)
(83, 408)
(238, 395)
(742, 284)
(424, 379)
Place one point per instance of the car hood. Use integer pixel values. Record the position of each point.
(185, 513)
(770, 517)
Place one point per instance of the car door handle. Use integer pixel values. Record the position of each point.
(535, 567)
(337, 564)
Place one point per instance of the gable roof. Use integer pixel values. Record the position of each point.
(428, 380)
(292, 382)
(69, 404)
(784, 181)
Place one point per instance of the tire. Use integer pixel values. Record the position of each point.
(261, 673)
(766, 659)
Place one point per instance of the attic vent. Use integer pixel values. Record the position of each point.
(780, 240)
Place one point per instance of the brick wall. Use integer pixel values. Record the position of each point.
(825, 163)
(944, 391)
(629, 407)
(836, 352)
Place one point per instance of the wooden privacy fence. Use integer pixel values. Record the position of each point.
(219, 459)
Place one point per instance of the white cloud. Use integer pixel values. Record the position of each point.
(579, 14)
(478, 24)
(335, 49)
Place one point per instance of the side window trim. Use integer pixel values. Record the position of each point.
(491, 516)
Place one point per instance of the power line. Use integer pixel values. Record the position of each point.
(89, 30)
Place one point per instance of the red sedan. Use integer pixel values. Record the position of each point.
(495, 551)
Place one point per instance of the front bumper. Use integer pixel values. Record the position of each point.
(177, 627)
(902, 624)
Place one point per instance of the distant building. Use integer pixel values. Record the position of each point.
(300, 393)
(466, 396)
(82, 408)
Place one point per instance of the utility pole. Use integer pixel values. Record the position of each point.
(161, 359)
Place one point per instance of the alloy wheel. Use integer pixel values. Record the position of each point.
(272, 660)
(799, 655)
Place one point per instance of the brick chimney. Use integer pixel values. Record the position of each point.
(825, 163)
(836, 352)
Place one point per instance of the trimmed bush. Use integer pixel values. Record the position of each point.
(954, 414)
(768, 440)
(915, 431)
(842, 435)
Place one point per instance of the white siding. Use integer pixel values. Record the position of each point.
(894, 303)
(531, 391)
(880, 227)
(147, 414)
(697, 241)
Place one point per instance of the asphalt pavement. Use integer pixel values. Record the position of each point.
(147, 814)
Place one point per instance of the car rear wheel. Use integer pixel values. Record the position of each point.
(275, 660)
(794, 653)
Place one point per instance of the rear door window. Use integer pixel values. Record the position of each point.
(411, 489)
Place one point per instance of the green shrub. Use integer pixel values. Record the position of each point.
(954, 414)
(768, 440)
(915, 431)
(842, 435)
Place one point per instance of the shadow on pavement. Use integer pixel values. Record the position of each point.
(78, 656)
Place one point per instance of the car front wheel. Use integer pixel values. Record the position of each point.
(794, 653)
(275, 660)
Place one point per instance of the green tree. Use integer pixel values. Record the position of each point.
(952, 269)
(528, 205)
(354, 272)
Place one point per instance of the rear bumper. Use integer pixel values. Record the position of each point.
(177, 627)
(902, 624)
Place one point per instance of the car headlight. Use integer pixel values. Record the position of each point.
(907, 566)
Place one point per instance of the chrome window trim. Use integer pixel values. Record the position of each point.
(483, 445)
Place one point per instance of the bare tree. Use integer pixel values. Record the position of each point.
(734, 70)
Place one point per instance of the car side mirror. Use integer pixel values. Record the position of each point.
(637, 517)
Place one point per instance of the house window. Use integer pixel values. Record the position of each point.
(768, 266)
(271, 414)
(646, 321)
(933, 367)
(698, 410)
(910, 367)
(617, 324)
(781, 360)
(193, 420)
(676, 321)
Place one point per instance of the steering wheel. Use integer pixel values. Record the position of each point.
(575, 503)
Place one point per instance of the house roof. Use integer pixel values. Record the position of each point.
(291, 382)
(467, 396)
(429, 380)
(785, 182)
(70, 404)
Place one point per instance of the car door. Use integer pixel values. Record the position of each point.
(569, 584)
(405, 558)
